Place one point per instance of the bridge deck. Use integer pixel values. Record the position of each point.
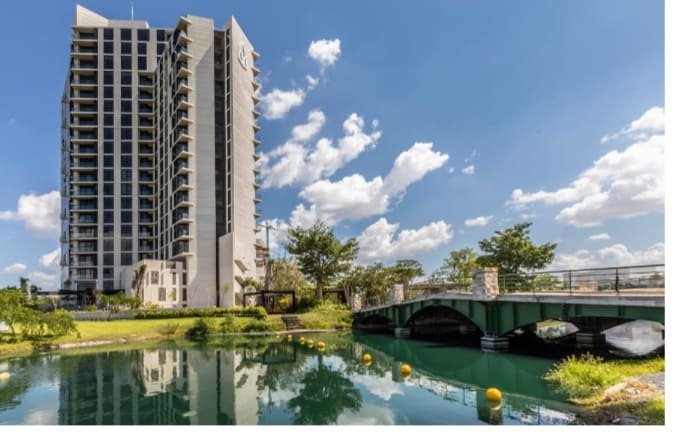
(638, 297)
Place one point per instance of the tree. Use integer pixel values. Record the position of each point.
(370, 281)
(14, 308)
(512, 251)
(321, 256)
(286, 276)
(459, 266)
(404, 271)
(252, 283)
(23, 284)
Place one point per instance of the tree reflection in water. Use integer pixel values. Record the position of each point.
(325, 394)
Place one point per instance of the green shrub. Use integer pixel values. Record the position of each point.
(256, 325)
(584, 376)
(228, 324)
(249, 311)
(40, 324)
(202, 328)
(170, 328)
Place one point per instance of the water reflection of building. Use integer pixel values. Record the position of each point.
(159, 387)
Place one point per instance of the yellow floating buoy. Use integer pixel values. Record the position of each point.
(367, 363)
(367, 358)
(405, 369)
(4, 376)
(301, 340)
(493, 394)
(276, 334)
(321, 345)
(289, 338)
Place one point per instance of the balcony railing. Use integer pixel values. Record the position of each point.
(89, 36)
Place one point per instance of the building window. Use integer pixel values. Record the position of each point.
(125, 62)
(125, 48)
(108, 176)
(125, 92)
(108, 92)
(108, 260)
(108, 47)
(108, 106)
(108, 77)
(108, 161)
(125, 216)
(125, 34)
(108, 203)
(108, 33)
(108, 232)
(125, 78)
(108, 217)
(143, 34)
(108, 62)
(126, 259)
(162, 294)
(154, 277)
(142, 63)
(108, 119)
(125, 146)
(125, 189)
(125, 106)
(142, 49)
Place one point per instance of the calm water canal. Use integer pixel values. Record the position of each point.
(268, 380)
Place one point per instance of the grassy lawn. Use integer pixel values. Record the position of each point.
(587, 380)
(322, 317)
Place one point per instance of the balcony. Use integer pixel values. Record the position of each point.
(83, 136)
(87, 206)
(83, 249)
(145, 123)
(144, 219)
(77, 65)
(256, 142)
(83, 94)
(84, 178)
(181, 134)
(181, 183)
(145, 233)
(85, 81)
(77, 49)
(84, 36)
(182, 199)
(181, 247)
(181, 38)
(145, 136)
(257, 199)
(145, 96)
(84, 275)
(83, 150)
(256, 99)
(256, 185)
(182, 102)
(145, 110)
(146, 164)
(84, 192)
(80, 108)
(256, 157)
(181, 167)
(182, 87)
(182, 69)
(145, 247)
(145, 150)
(256, 127)
(84, 234)
(145, 178)
(145, 82)
(144, 190)
(180, 215)
(84, 123)
(145, 204)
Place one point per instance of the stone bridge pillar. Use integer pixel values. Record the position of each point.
(396, 294)
(356, 302)
(485, 284)
(485, 288)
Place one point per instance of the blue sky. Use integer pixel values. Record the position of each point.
(515, 98)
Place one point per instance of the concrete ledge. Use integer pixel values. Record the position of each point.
(402, 332)
(489, 343)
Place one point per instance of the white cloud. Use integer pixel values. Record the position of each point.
(379, 242)
(451, 170)
(15, 268)
(295, 163)
(412, 165)
(621, 184)
(306, 216)
(468, 170)
(353, 197)
(277, 103)
(527, 215)
(40, 213)
(478, 221)
(325, 52)
(651, 122)
(600, 236)
(287, 59)
(615, 255)
(311, 82)
(51, 260)
(44, 280)
(306, 131)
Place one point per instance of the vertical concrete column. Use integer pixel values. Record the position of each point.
(485, 283)
(356, 302)
(589, 340)
(396, 293)
(402, 332)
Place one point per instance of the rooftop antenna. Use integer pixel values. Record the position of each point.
(132, 10)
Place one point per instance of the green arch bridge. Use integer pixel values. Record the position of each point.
(592, 299)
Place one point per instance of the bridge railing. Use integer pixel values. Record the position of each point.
(611, 280)
(425, 289)
(374, 301)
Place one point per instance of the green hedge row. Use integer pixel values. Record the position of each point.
(257, 312)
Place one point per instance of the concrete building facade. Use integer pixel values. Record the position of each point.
(158, 157)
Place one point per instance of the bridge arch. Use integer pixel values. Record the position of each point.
(442, 317)
(512, 315)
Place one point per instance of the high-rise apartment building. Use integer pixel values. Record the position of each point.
(158, 160)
